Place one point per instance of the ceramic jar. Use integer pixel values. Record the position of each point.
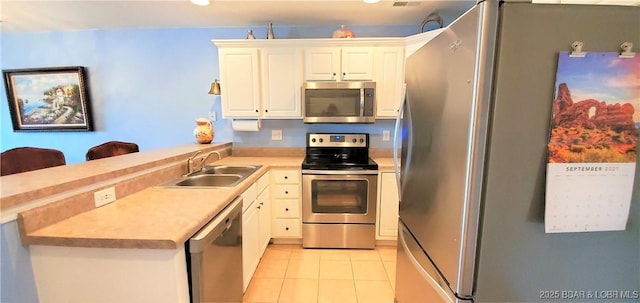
(343, 33)
(204, 131)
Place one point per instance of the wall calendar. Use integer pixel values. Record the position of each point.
(592, 149)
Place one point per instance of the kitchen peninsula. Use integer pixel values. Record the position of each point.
(132, 248)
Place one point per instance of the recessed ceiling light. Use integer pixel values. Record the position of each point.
(371, 1)
(200, 2)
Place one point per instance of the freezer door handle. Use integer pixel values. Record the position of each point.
(396, 136)
(446, 295)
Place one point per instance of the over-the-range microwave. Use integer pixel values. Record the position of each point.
(339, 102)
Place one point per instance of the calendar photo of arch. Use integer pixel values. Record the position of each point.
(596, 110)
(592, 149)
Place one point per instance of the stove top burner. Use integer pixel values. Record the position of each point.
(338, 164)
(338, 152)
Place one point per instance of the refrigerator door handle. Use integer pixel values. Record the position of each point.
(396, 133)
(446, 296)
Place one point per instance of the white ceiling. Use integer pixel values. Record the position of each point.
(54, 15)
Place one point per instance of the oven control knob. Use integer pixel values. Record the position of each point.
(361, 140)
(313, 140)
(321, 140)
(354, 140)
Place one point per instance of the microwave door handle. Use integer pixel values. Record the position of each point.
(362, 102)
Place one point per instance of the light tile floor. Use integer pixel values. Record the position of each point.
(290, 273)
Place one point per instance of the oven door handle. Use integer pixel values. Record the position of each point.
(338, 172)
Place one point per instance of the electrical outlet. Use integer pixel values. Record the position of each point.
(104, 196)
(212, 117)
(386, 135)
(276, 134)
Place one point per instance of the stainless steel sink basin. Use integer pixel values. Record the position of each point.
(214, 176)
(210, 180)
(228, 169)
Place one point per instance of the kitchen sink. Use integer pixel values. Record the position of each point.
(210, 180)
(227, 169)
(214, 176)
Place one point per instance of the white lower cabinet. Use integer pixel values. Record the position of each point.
(250, 248)
(387, 220)
(264, 215)
(256, 226)
(286, 198)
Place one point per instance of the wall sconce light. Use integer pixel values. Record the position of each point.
(215, 88)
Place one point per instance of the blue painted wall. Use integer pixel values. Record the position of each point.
(145, 86)
(148, 85)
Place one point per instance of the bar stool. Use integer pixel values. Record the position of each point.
(23, 159)
(110, 149)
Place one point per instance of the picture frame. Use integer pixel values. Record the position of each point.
(48, 99)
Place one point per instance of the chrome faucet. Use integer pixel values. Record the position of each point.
(190, 162)
(204, 161)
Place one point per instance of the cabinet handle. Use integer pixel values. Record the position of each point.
(286, 177)
(261, 203)
(258, 207)
(344, 74)
(286, 228)
(266, 110)
(257, 111)
(286, 192)
(334, 74)
(286, 209)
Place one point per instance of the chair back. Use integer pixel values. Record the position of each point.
(23, 159)
(110, 149)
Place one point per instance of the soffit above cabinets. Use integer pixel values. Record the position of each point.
(47, 15)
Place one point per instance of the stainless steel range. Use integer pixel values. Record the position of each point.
(339, 188)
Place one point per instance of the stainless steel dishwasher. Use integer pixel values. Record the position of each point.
(214, 258)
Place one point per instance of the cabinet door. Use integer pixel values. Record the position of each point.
(388, 206)
(322, 63)
(250, 248)
(264, 211)
(357, 63)
(281, 82)
(389, 77)
(239, 82)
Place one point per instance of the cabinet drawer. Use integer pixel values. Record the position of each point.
(286, 228)
(286, 176)
(286, 191)
(286, 208)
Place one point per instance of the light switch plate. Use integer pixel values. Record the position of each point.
(104, 196)
(386, 135)
(212, 116)
(276, 134)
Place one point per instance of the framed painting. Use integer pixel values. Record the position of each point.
(48, 99)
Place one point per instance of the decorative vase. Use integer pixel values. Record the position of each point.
(343, 33)
(270, 32)
(250, 35)
(204, 131)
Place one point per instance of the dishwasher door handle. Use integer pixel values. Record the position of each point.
(216, 227)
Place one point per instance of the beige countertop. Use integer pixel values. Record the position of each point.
(156, 217)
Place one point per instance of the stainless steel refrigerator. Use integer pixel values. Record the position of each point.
(474, 135)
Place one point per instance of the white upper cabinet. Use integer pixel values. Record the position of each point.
(338, 63)
(281, 81)
(321, 63)
(262, 79)
(239, 82)
(357, 63)
(389, 78)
